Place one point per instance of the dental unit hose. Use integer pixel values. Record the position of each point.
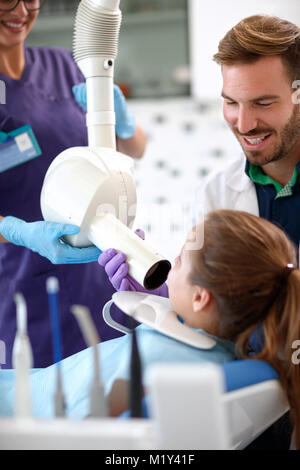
(22, 360)
(98, 407)
(59, 397)
(135, 387)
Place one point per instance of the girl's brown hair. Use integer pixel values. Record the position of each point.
(262, 35)
(246, 263)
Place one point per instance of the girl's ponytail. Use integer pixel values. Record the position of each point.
(281, 332)
(289, 335)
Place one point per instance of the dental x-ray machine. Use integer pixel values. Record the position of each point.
(93, 187)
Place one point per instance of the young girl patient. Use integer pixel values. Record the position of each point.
(235, 274)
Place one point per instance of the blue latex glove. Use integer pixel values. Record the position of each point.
(125, 122)
(117, 270)
(44, 238)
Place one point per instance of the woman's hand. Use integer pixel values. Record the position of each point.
(131, 139)
(125, 121)
(45, 238)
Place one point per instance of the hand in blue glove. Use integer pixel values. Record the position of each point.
(117, 270)
(44, 238)
(125, 122)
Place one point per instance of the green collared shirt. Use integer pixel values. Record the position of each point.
(257, 175)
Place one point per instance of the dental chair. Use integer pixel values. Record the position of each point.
(214, 407)
(187, 407)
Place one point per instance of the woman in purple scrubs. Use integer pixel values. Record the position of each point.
(38, 83)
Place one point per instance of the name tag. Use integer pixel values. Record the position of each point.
(17, 147)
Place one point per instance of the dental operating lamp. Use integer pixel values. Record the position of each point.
(93, 187)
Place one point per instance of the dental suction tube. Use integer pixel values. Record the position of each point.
(95, 48)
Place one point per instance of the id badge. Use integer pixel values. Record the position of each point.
(17, 147)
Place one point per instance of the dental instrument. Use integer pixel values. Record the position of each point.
(156, 312)
(136, 386)
(93, 187)
(22, 359)
(98, 406)
(59, 398)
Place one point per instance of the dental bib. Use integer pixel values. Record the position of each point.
(156, 312)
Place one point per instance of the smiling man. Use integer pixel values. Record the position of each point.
(260, 63)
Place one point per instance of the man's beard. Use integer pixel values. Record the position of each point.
(289, 137)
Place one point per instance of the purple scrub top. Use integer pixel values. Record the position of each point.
(43, 98)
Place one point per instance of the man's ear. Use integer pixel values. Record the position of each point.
(201, 299)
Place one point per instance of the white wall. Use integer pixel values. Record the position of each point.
(209, 21)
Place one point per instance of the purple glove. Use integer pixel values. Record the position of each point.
(117, 270)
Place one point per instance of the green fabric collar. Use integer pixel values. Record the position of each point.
(257, 175)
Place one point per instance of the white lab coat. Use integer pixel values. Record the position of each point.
(229, 188)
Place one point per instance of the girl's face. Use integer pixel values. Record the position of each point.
(181, 290)
(193, 303)
(15, 25)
